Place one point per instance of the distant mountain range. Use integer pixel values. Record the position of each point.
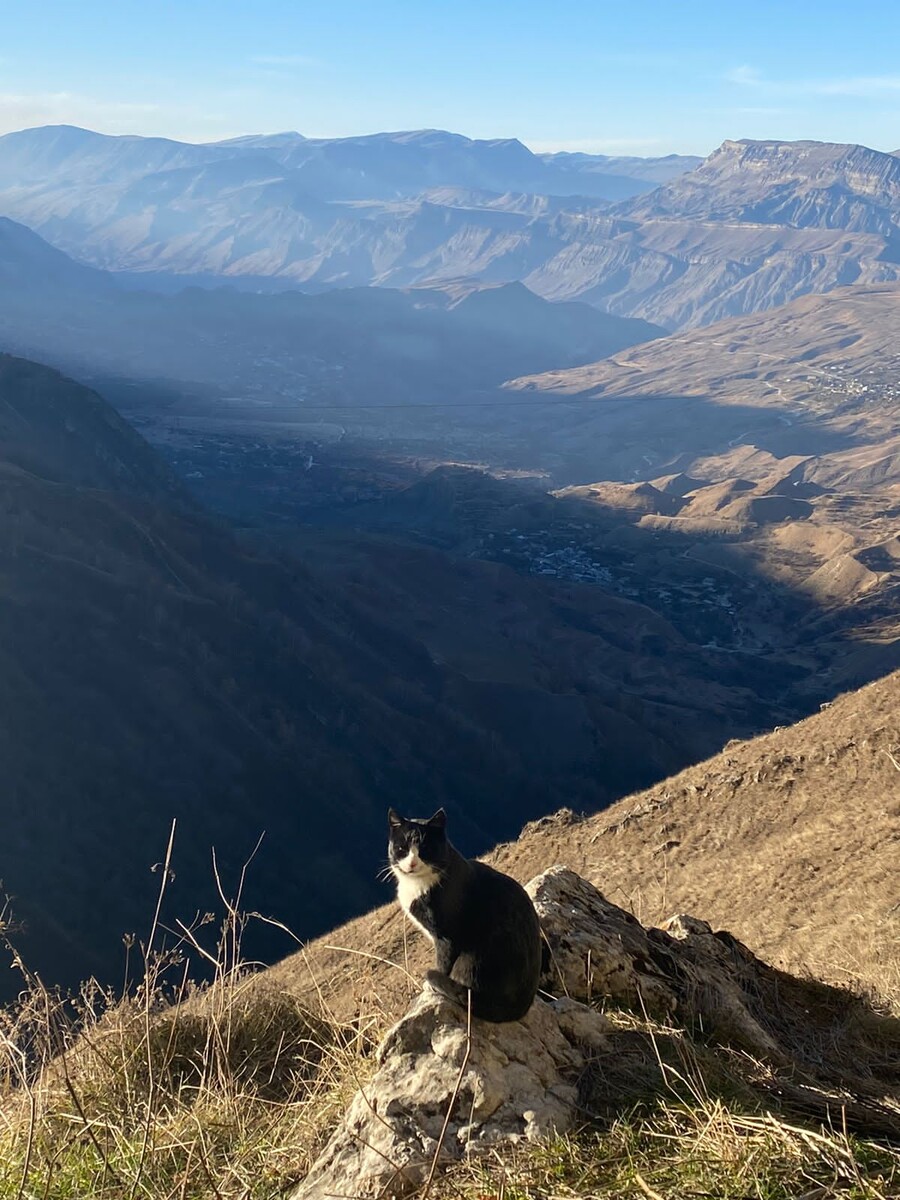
(755, 225)
(377, 166)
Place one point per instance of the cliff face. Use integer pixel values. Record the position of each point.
(801, 184)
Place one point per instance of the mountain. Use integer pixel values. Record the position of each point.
(154, 667)
(754, 226)
(30, 158)
(377, 166)
(28, 263)
(83, 444)
(787, 840)
(793, 349)
(818, 377)
(800, 184)
(385, 165)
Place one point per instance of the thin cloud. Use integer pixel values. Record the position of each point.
(866, 85)
(756, 110)
(746, 76)
(20, 109)
(284, 60)
(25, 110)
(861, 86)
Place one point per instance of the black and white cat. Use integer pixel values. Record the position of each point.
(483, 925)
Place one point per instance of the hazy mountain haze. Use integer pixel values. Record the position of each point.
(752, 226)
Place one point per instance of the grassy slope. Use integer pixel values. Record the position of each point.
(231, 1092)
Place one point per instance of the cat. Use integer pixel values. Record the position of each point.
(485, 930)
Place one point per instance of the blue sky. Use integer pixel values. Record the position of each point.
(639, 78)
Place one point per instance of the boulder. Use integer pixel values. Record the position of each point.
(683, 972)
(443, 1089)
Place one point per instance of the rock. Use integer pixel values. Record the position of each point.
(597, 950)
(502, 1083)
(685, 971)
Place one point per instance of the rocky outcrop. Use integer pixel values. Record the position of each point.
(802, 184)
(601, 952)
(446, 1087)
(442, 1090)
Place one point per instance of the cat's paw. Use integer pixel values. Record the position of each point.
(446, 988)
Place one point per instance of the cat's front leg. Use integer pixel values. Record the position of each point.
(444, 955)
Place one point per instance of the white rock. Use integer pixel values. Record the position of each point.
(519, 1080)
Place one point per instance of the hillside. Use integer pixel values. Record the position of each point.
(157, 667)
(656, 1061)
(788, 840)
(782, 354)
(286, 350)
(818, 377)
(64, 434)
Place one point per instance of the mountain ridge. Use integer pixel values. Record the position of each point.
(411, 346)
(804, 184)
(697, 248)
(327, 161)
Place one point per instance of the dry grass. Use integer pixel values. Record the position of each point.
(227, 1103)
(668, 1118)
(704, 1150)
(229, 1090)
(173, 1091)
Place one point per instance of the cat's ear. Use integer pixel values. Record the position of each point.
(439, 820)
(394, 818)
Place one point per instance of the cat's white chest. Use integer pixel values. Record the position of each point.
(411, 888)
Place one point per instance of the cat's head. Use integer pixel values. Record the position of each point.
(417, 847)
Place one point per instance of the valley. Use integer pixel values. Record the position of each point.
(743, 494)
(159, 666)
